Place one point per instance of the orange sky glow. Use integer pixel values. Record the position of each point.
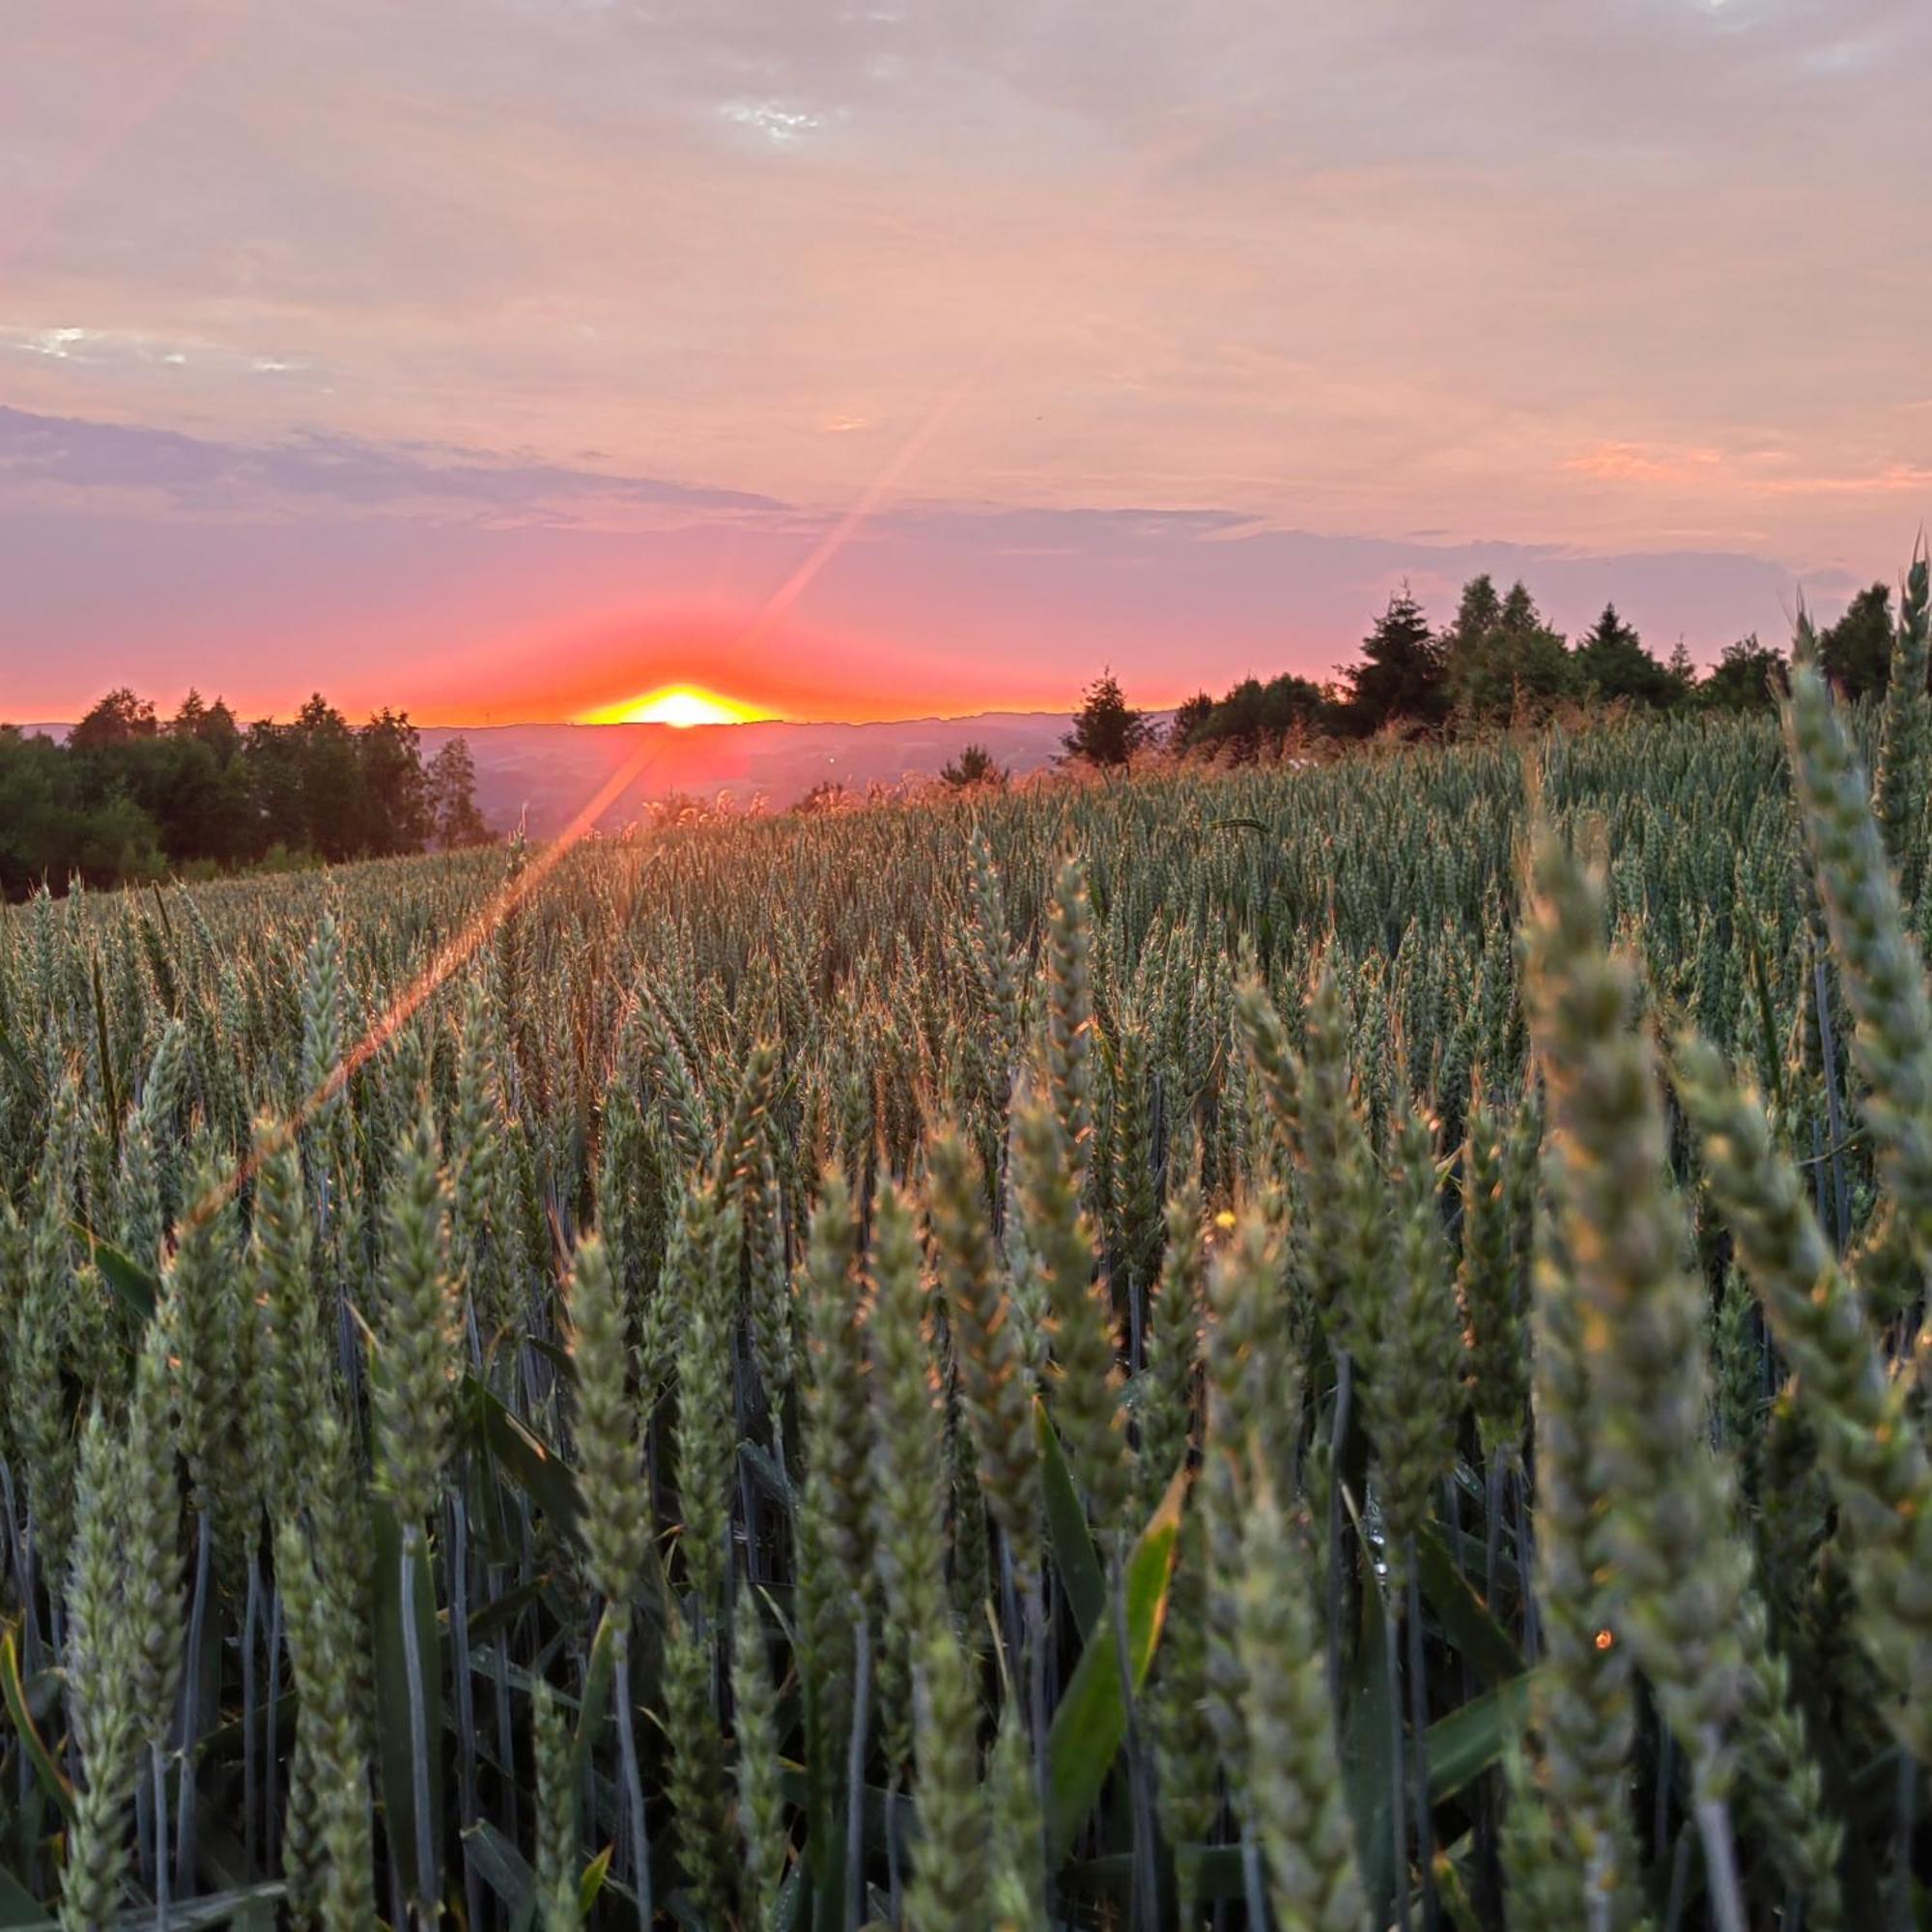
(506, 361)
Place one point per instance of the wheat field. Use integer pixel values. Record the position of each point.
(1333, 1347)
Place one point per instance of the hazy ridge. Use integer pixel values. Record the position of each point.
(546, 773)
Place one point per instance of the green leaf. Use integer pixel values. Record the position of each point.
(18, 1907)
(1073, 1551)
(560, 1358)
(597, 1676)
(111, 1100)
(593, 1881)
(14, 1692)
(1461, 1612)
(524, 1457)
(1768, 1057)
(770, 1475)
(487, 1619)
(1365, 1760)
(136, 1288)
(248, 1906)
(395, 1747)
(1464, 1744)
(499, 1864)
(25, 1074)
(1091, 1718)
(1217, 1872)
(243, 1907)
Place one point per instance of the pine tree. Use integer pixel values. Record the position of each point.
(1401, 676)
(454, 819)
(1107, 731)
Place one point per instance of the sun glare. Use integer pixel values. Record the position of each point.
(678, 705)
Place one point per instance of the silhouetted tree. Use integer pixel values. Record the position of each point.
(1256, 717)
(333, 820)
(271, 755)
(1107, 731)
(1188, 717)
(119, 719)
(127, 798)
(973, 767)
(210, 725)
(1683, 672)
(1399, 679)
(1855, 652)
(827, 795)
(1614, 666)
(1748, 677)
(1502, 658)
(395, 816)
(450, 786)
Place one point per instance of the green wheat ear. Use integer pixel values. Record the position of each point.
(1878, 960)
(416, 1329)
(1583, 1707)
(1489, 1292)
(555, 1864)
(1293, 1770)
(1872, 1452)
(907, 1467)
(835, 1522)
(762, 1811)
(1414, 1384)
(949, 1881)
(1164, 1410)
(1083, 1392)
(616, 1505)
(697, 1780)
(335, 1777)
(1904, 730)
(151, 1528)
(298, 1374)
(993, 1381)
(1015, 1891)
(100, 1678)
(1679, 1575)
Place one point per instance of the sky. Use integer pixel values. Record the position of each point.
(499, 358)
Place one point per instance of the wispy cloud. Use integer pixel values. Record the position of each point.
(1620, 282)
(452, 582)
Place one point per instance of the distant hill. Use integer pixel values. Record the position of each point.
(547, 773)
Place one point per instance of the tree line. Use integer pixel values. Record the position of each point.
(1497, 661)
(130, 796)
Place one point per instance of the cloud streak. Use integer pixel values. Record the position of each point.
(619, 308)
(463, 586)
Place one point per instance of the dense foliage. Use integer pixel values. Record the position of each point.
(1498, 662)
(1084, 1354)
(127, 797)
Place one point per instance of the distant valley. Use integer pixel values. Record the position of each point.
(544, 775)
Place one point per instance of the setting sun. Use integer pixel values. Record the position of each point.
(678, 705)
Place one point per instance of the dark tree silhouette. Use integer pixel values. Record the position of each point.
(1400, 678)
(1190, 716)
(126, 799)
(1107, 731)
(1748, 677)
(1615, 668)
(450, 787)
(1503, 657)
(974, 766)
(1856, 651)
(119, 719)
(1255, 716)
